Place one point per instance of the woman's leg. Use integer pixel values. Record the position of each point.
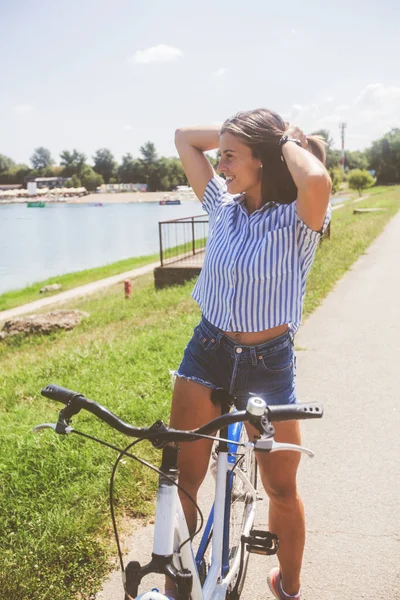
(286, 513)
(191, 408)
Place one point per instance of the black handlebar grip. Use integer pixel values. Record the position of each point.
(289, 412)
(55, 392)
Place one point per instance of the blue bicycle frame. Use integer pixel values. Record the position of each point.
(234, 432)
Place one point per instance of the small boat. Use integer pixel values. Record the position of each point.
(162, 202)
(36, 204)
(95, 204)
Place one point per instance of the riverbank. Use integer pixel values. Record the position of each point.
(69, 281)
(18, 297)
(55, 529)
(117, 198)
(128, 198)
(133, 197)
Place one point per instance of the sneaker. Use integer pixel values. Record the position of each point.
(274, 584)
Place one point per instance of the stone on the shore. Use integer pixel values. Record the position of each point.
(50, 288)
(43, 324)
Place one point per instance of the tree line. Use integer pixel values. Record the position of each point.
(383, 157)
(159, 173)
(162, 173)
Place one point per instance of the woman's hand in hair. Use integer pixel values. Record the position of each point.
(295, 132)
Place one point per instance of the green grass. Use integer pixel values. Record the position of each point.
(350, 237)
(55, 533)
(72, 280)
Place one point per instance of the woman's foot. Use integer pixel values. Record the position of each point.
(274, 581)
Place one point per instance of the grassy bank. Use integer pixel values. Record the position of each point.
(55, 535)
(72, 280)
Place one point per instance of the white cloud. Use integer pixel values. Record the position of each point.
(22, 109)
(127, 127)
(341, 108)
(159, 54)
(299, 112)
(378, 97)
(371, 114)
(220, 72)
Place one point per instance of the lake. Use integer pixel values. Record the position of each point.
(38, 243)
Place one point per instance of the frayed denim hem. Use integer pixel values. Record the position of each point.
(197, 380)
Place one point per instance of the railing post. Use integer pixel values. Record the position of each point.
(166, 256)
(160, 237)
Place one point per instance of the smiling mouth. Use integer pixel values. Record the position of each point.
(229, 179)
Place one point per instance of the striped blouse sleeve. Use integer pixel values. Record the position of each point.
(213, 192)
(307, 242)
(303, 231)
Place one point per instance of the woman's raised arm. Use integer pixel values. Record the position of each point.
(311, 179)
(191, 143)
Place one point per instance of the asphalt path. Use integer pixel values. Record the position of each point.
(348, 358)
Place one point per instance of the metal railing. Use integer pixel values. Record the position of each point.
(183, 240)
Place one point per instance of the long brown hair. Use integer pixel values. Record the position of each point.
(261, 130)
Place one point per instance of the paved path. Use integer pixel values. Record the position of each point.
(78, 292)
(349, 360)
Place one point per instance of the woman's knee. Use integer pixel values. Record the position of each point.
(279, 476)
(282, 492)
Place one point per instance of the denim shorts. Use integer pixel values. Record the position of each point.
(218, 362)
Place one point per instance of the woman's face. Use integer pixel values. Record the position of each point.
(241, 169)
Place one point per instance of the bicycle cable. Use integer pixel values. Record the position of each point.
(124, 452)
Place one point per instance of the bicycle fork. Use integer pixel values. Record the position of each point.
(164, 529)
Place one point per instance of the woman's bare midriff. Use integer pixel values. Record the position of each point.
(257, 337)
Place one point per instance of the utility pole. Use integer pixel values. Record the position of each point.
(342, 127)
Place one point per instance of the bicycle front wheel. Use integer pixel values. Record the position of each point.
(240, 502)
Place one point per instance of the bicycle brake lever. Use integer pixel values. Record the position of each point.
(269, 445)
(54, 426)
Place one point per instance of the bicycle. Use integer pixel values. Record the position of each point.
(218, 570)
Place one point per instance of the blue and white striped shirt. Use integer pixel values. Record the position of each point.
(255, 266)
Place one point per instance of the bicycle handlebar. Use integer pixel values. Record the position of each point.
(75, 401)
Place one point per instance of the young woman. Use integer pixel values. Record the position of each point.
(266, 216)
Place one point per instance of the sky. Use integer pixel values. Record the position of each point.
(92, 74)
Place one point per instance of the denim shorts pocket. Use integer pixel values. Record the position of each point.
(279, 361)
(203, 337)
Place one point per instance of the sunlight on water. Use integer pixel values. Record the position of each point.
(37, 243)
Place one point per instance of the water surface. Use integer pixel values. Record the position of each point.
(38, 243)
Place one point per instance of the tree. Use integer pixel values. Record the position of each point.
(73, 162)
(90, 179)
(74, 182)
(41, 158)
(130, 170)
(149, 154)
(149, 167)
(15, 174)
(355, 160)
(104, 164)
(360, 180)
(332, 156)
(176, 174)
(5, 163)
(384, 157)
(337, 177)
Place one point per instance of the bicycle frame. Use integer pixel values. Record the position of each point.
(173, 553)
(171, 528)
